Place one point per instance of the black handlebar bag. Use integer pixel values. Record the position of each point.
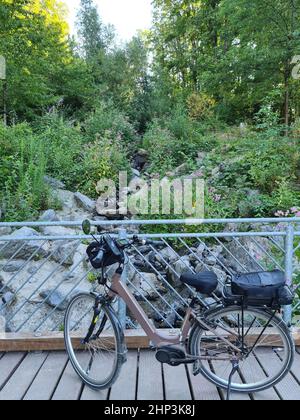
(263, 289)
(108, 259)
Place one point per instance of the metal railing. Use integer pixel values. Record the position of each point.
(43, 265)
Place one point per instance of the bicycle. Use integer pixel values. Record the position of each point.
(225, 343)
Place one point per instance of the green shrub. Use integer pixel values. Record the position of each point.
(104, 158)
(63, 143)
(23, 164)
(106, 118)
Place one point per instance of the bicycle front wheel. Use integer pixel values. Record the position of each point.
(268, 349)
(98, 361)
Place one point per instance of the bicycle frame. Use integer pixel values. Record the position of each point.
(156, 337)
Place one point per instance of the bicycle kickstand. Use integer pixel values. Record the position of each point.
(235, 368)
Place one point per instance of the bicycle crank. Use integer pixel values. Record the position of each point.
(173, 356)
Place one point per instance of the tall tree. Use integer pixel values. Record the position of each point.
(90, 30)
(33, 38)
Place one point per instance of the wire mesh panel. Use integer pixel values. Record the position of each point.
(42, 266)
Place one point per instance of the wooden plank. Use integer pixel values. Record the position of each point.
(135, 339)
(89, 394)
(69, 387)
(8, 364)
(203, 390)
(288, 388)
(150, 381)
(296, 368)
(125, 387)
(45, 383)
(12, 342)
(177, 386)
(23, 377)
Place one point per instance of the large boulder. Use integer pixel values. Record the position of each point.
(49, 216)
(147, 285)
(13, 266)
(54, 183)
(179, 268)
(85, 202)
(63, 252)
(55, 299)
(23, 249)
(5, 231)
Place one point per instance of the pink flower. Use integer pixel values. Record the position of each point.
(297, 214)
(294, 210)
(217, 198)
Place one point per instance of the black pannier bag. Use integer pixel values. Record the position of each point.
(260, 289)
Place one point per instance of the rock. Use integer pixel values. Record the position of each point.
(216, 251)
(181, 170)
(13, 266)
(66, 198)
(85, 202)
(148, 283)
(58, 231)
(64, 252)
(166, 254)
(196, 175)
(180, 267)
(7, 299)
(200, 250)
(24, 249)
(252, 260)
(141, 159)
(5, 231)
(55, 299)
(54, 183)
(210, 260)
(49, 216)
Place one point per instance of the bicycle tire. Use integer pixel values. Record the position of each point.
(209, 373)
(107, 382)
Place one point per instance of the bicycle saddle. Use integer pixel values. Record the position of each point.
(205, 283)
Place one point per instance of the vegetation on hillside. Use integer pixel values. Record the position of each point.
(213, 78)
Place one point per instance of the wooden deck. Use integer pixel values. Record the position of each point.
(49, 376)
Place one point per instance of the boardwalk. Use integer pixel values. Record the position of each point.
(49, 376)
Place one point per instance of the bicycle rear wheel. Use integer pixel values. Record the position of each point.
(268, 342)
(98, 361)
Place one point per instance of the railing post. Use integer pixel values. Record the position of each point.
(289, 269)
(122, 309)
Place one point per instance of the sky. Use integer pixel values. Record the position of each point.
(128, 16)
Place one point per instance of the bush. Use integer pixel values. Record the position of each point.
(200, 106)
(104, 158)
(63, 143)
(106, 118)
(22, 169)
